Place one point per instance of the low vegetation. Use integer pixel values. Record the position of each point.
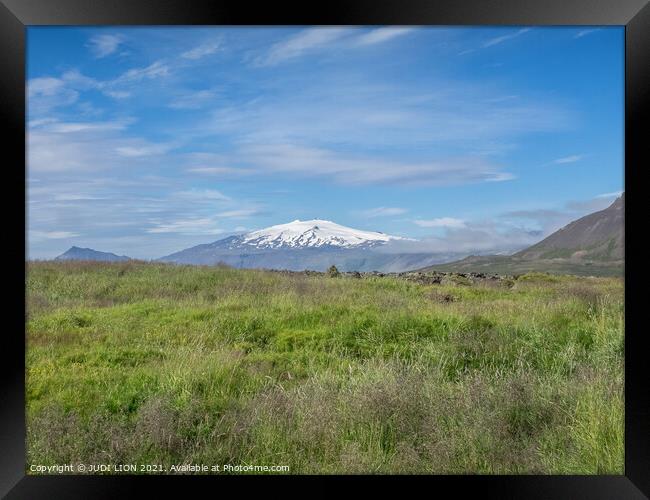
(150, 363)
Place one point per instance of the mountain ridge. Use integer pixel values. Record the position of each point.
(79, 253)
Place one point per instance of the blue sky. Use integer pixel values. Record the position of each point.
(144, 141)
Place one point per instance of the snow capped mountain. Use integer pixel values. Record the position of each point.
(315, 233)
(312, 244)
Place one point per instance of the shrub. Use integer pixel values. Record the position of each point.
(333, 272)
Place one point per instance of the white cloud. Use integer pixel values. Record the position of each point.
(582, 33)
(76, 197)
(89, 147)
(77, 80)
(77, 127)
(203, 226)
(312, 39)
(221, 171)
(441, 222)
(156, 69)
(52, 235)
(143, 149)
(500, 39)
(366, 114)
(348, 168)
(569, 159)
(383, 212)
(202, 195)
(614, 194)
(352, 169)
(117, 94)
(201, 51)
(305, 41)
(239, 213)
(381, 35)
(47, 93)
(140, 216)
(500, 177)
(44, 86)
(104, 45)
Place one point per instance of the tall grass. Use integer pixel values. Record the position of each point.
(152, 363)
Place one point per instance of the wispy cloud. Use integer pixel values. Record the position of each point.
(582, 33)
(362, 112)
(105, 45)
(192, 100)
(144, 149)
(48, 93)
(383, 212)
(52, 235)
(450, 222)
(117, 94)
(569, 159)
(314, 39)
(305, 41)
(241, 213)
(614, 194)
(202, 226)
(201, 51)
(80, 147)
(500, 39)
(221, 171)
(140, 215)
(57, 127)
(156, 69)
(381, 35)
(358, 170)
(195, 195)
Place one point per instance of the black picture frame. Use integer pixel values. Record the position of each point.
(16, 15)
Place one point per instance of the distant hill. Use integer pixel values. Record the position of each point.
(591, 245)
(76, 253)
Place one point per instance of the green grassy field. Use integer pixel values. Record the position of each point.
(152, 363)
(506, 264)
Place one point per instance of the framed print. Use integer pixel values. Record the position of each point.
(359, 240)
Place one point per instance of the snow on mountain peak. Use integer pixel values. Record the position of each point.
(314, 233)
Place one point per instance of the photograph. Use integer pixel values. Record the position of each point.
(325, 250)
